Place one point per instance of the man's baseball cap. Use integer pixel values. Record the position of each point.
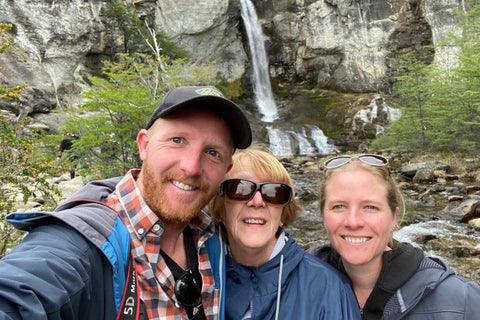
(209, 98)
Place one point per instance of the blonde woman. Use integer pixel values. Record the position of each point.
(360, 204)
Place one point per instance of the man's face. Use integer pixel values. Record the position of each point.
(185, 158)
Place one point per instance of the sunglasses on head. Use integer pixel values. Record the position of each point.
(244, 190)
(371, 159)
(189, 295)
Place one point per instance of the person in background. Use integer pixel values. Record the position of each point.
(66, 146)
(381, 116)
(268, 275)
(137, 246)
(361, 204)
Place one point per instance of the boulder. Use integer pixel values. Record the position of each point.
(467, 210)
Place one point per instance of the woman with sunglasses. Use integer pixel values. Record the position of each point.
(361, 204)
(268, 275)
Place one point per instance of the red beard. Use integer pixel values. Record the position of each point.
(183, 210)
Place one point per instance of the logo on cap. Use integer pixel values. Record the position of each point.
(209, 92)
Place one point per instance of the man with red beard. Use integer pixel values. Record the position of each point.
(139, 246)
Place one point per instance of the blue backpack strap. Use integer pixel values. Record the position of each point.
(216, 254)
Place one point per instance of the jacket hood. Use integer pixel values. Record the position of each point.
(96, 191)
(84, 211)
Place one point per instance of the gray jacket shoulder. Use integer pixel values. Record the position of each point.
(85, 211)
(435, 292)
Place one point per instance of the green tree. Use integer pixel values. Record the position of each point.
(454, 108)
(119, 105)
(466, 76)
(441, 108)
(22, 177)
(413, 91)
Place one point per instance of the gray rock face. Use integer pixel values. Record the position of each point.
(352, 45)
(442, 16)
(342, 43)
(345, 45)
(207, 29)
(58, 44)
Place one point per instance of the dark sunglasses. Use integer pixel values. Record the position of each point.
(189, 295)
(244, 190)
(371, 159)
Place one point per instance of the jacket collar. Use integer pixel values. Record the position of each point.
(259, 284)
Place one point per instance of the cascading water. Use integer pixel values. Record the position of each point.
(261, 78)
(321, 141)
(304, 146)
(311, 140)
(281, 142)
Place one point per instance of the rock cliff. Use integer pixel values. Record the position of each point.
(344, 45)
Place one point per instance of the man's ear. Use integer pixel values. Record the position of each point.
(142, 143)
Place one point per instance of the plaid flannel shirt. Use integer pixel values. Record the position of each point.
(156, 281)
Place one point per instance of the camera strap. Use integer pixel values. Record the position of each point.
(130, 304)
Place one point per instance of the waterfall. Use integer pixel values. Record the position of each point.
(261, 78)
(279, 142)
(311, 140)
(321, 141)
(304, 146)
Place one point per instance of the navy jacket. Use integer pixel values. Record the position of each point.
(308, 289)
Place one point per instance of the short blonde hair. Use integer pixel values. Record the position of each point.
(267, 168)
